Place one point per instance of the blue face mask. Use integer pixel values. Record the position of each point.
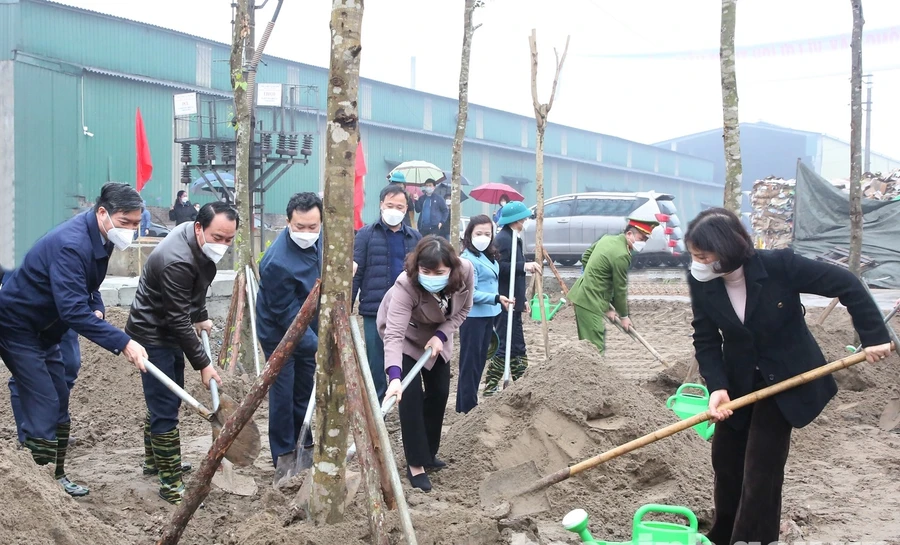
(434, 284)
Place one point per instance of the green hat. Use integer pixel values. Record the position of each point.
(513, 212)
(397, 177)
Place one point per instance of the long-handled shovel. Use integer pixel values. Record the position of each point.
(510, 310)
(505, 484)
(633, 333)
(246, 447)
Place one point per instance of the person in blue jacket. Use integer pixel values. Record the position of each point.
(476, 332)
(379, 252)
(287, 273)
(57, 289)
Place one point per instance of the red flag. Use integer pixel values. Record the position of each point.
(144, 163)
(359, 192)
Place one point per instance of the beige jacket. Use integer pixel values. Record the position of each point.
(410, 316)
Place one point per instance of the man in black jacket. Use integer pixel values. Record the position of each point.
(167, 315)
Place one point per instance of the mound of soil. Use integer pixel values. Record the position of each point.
(570, 408)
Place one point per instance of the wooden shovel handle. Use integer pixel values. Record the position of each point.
(742, 401)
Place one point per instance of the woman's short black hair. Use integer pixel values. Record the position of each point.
(491, 251)
(430, 253)
(720, 231)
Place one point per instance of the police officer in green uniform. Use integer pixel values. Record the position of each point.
(603, 288)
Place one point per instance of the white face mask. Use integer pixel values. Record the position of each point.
(184, 199)
(392, 216)
(481, 243)
(638, 245)
(304, 240)
(120, 237)
(215, 252)
(705, 272)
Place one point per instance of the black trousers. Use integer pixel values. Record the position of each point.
(161, 402)
(749, 473)
(474, 340)
(422, 411)
(517, 343)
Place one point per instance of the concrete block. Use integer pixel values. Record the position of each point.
(221, 287)
(110, 296)
(126, 295)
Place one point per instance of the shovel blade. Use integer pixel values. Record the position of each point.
(890, 417)
(292, 464)
(233, 483)
(245, 448)
(501, 486)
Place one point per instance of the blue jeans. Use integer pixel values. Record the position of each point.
(474, 340)
(71, 358)
(161, 402)
(289, 397)
(375, 352)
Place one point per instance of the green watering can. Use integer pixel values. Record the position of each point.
(549, 309)
(644, 532)
(689, 405)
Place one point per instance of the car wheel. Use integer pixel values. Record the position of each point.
(567, 262)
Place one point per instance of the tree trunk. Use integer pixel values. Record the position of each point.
(540, 115)
(856, 217)
(244, 132)
(731, 129)
(462, 119)
(342, 136)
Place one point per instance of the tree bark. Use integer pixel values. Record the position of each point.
(540, 115)
(462, 119)
(200, 485)
(731, 129)
(243, 133)
(345, 357)
(856, 217)
(342, 136)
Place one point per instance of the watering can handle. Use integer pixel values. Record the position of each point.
(703, 539)
(687, 385)
(671, 509)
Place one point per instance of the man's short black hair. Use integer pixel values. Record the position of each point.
(719, 231)
(304, 202)
(390, 189)
(430, 181)
(118, 197)
(211, 210)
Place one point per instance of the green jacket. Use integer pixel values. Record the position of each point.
(605, 279)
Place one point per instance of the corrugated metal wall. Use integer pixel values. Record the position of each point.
(54, 159)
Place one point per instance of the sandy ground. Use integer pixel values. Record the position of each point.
(841, 485)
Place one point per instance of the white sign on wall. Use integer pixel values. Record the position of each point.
(185, 104)
(268, 94)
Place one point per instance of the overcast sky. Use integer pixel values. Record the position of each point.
(619, 77)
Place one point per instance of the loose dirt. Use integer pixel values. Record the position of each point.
(841, 484)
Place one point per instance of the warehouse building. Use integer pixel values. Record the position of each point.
(72, 80)
(771, 150)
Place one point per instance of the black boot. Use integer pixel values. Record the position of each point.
(62, 444)
(167, 454)
(420, 481)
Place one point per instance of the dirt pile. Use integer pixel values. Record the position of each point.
(41, 512)
(568, 409)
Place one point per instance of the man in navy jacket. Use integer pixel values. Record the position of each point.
(57, 289)
(379, 251)
(288, 271)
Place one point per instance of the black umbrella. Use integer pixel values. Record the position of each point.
(443, 190)
(448, 176)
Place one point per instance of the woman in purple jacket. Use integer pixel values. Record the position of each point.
(424, 308)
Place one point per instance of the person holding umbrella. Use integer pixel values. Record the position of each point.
(503, 200)
(512, 220)
(182, 211)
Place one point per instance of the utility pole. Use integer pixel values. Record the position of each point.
(868, 78)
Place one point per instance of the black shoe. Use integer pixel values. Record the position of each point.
(420, 481)
(436, 464)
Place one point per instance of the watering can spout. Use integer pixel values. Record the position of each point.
(550, 310)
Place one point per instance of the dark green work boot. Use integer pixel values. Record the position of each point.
(167, 453)
(42, 450)
(494, 375)
(518, 366)
(62, 444)
(149, 466)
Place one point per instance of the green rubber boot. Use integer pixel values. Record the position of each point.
(518, 366)
(167, 453)
(62, 445)
(43, 451)
(149, 466)
(494, 375)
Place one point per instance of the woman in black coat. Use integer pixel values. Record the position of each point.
(182, 211)
(750, 332)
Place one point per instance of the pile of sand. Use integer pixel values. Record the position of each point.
(38, 511)
(569, 409)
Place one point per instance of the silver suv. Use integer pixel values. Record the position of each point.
(572, 223)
